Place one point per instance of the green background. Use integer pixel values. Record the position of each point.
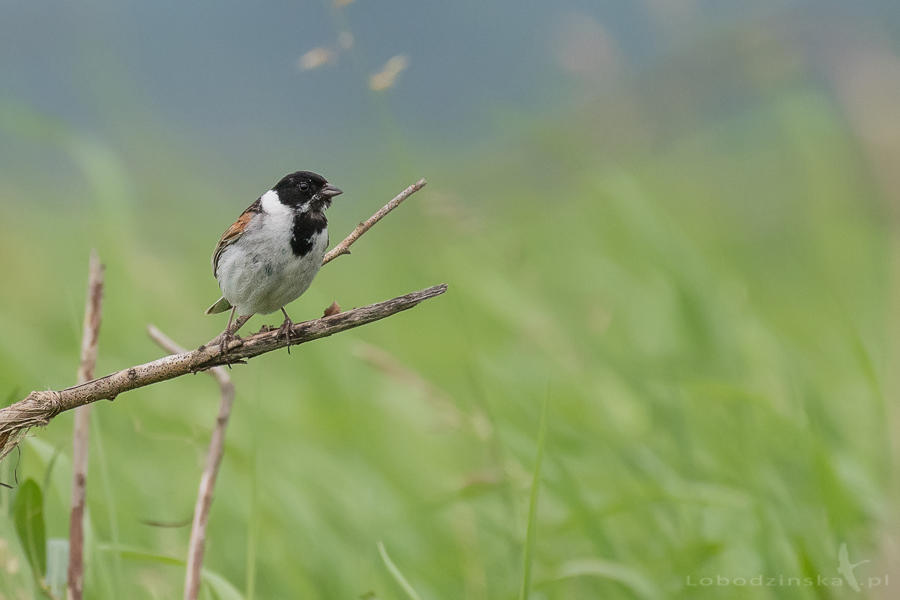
(688, 252)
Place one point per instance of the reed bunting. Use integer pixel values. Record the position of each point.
(271, 254)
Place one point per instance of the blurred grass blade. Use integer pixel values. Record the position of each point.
(630, 578)
(136, 554)
(397, 575)
(57, 467)
(97, 437)
(25, 122)
(255, 518)
(530, 532)
(28, 514)
(57, 566)
(221, 588)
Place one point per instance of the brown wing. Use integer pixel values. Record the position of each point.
(234, 233)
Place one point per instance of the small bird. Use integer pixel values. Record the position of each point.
(271, 254)
(845, 567)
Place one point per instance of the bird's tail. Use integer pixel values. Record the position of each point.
(220, 306)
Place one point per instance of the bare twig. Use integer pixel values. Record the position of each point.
(90, 331)
(197, 543)
(342, 248)
(40, 407)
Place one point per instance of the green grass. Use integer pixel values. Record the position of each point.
(710, 310)
(531, 530)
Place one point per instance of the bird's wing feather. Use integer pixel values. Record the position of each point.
(234, 233)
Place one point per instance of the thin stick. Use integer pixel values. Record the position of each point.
(197, 543)
(342, 248)
(38, 408)
(90, 331)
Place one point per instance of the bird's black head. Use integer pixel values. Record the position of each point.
(305, 188)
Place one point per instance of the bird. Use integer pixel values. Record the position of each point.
(845, 567)
(269, 257)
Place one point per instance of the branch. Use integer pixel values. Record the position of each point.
(90, 332)
(40, 407)
(197, 544)
(342, 248)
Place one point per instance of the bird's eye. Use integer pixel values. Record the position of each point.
(304, 186)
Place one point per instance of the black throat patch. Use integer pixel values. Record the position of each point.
(306, 226)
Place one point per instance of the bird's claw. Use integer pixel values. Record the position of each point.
(285, 330)
(225, 340)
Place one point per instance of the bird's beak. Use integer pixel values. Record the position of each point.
(330, 191)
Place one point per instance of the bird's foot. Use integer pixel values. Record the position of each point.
(285, 330)
(225, 339)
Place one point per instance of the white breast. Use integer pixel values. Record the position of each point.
(259, 274)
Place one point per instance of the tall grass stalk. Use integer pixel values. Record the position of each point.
(396, 574)
(530, 531)
(110, 502)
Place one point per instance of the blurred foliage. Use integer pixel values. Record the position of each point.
(702, 298)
